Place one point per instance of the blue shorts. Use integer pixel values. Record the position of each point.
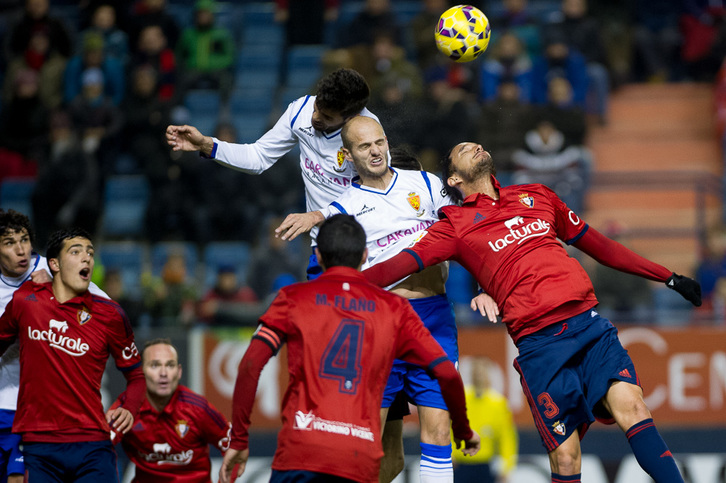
(11, 459)
(566, 369)
(314, 269)
(438, 316)
(85, 462)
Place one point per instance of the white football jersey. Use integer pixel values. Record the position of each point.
(10, 360)
(325, 171)
(393, 218)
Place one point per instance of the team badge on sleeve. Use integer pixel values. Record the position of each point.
(83, 315)
(182, 428)
(340, 159)
(526, 200)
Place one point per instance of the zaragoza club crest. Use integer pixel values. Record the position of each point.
(340, 159)
(415, 201)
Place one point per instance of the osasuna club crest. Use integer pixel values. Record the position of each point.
(526, 200)
(182, 428)
(559, 428)
(83, 315)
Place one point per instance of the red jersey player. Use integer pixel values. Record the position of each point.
(66, 335)
(342, 336)
(573, 368)
(175, 426)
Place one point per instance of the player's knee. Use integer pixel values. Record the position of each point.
(565, 461)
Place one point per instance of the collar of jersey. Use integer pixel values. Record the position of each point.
(355, 184)
(16, 282)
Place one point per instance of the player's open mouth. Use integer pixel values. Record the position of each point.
(23, 263)
(376, 161)
(85, 273)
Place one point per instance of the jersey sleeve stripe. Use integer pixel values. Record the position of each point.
(130, 368)
(579, 235)
(428, 184)
(436, 362)
(416, 257)
(118, 309)
(269, 337)
(339, 207)
(307, 98)
(203, 404)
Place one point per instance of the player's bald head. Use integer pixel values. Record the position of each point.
(354, 126)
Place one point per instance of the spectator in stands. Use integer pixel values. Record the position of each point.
(171, 298)
(273, 260)
(47, 62)
(421, 27)
(113, 285)
(306, 21)
(376, 16)
(657, 39)
(550, 157)
(97, 119)
(151, 12)
(92, 56)
(115, 40)
(490, 416)
(68, 190)
(711, 272)
(24, 119)
(703, 26)
(518, 19)
(582, 33)
(395, 107)
(559, 60)
(501, 126)
(145, 118)
(445, 120)
(507, 61)
(228, 302)
(36, 17)
(153, 50)
(622, 297)
(206, 53)
(389, 65)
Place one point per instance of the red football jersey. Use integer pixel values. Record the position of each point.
(511, 247)
(63, 354)
(173, 445)
(342, 334)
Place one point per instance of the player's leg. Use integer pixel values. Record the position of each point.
(566, 460)
(15, 467)
(625, 402)
(393, 460)
(436, 463)
(98, 462)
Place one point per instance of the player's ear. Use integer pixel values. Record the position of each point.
(364, 258)
(348, 156)
(453, 180)
(53, 265)
(320, 259)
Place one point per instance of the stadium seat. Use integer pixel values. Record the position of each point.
(271, 35)
(129, 258)
(250, 101)
(216, 254)
(160, 252)
(305, 56)
(202, 101)
(249, 126)
(258, 13)
(290, 93)
(406, 10)
(125, 201)
(16, 194)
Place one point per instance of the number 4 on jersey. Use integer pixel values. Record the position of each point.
(341, 359)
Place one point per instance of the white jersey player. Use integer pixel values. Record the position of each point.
(311, 122)
(18, 264)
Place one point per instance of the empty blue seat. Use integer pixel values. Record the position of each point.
(126, 199)
(251, 101)
(249, 126)
(225, 253)
(258, 56)
(16, 194)
(269, 35)
(291, 93)
(305, 56)
(200, 101)
(258, 13)
(160, 253)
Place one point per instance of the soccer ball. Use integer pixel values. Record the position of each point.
(463, 33)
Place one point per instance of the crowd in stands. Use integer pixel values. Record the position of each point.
(89, 87)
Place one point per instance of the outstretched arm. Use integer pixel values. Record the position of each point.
(385, 273)
(614, 255)
(188, 138)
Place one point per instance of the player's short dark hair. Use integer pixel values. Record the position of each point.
(344, 91)
(55, 242)
(341, 242)
(12, 220)
(156, 341)
(447, 170)
(402, 158)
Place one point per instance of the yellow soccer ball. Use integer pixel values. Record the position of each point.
(463, 33)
